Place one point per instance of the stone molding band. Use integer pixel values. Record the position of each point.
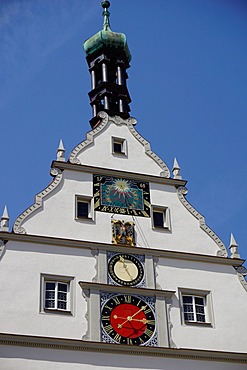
(74, 243)
(89, 346)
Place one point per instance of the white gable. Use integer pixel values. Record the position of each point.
(186, 230)
(96, 150)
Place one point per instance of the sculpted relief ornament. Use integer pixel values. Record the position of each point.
(123, 233)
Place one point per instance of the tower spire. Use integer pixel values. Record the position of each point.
(106, 25)
(108, 58)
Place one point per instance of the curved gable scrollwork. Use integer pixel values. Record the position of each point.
(2, 248)
(182, 191)
(242, 272)
(129, 122)
(17, 228)
(89, 138)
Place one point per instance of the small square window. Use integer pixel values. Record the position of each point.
(160, 217)
(83, 207)
(196, 308)
(56, 294)
(119, 146)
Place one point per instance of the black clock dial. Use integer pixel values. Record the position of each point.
(126, 269)
(128, 319)
(120, 195)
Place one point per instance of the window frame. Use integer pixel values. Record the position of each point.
(69, 281)
(122, 142)
(208, 308)
(89, 201)
(165, 211)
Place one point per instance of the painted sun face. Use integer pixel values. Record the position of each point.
(121, 186)
(120, 195)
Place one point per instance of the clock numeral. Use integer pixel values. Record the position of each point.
(99, 178)
(109, 308)
(108, 329)
(130, 341)
(105, 318)
(138, 303)
(151, 322)
(145, 192)
(141, 340)
(97, 194)
(127, 299)
(148, 332)
(145, 214)
(147, 311)
(146, 203)
(116, 300)
(97, 204)
(117, 337)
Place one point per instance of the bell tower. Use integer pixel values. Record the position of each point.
(108, 58)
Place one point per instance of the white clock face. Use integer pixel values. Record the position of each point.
(126, 269)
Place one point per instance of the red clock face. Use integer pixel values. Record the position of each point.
(128, 320)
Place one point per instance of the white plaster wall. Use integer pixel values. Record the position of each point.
(23, 263)
(22, 358)
(99, 153)
(57, 218)
(20, 288)
(229, 304)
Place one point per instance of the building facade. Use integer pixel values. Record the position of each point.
(111, 267)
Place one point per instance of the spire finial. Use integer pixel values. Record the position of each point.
(233, 247)
(106, 25)
(60, 152)
(4, 220)
(176, 170)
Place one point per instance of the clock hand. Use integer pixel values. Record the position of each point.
(129, 318)
(121, 259)
(144, 321)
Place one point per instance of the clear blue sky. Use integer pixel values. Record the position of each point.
(188, 83)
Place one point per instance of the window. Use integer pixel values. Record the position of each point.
(119, 146)
(56, 294)
(161, 217)
(83, 207)
(196, 307)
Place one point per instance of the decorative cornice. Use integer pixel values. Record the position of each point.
(57, 174)
(126, 290)
(117, 173)
(74, 243)
(105, 120)
(89, 346)
(182, 191)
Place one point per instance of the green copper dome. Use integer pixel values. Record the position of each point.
(106, 37)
